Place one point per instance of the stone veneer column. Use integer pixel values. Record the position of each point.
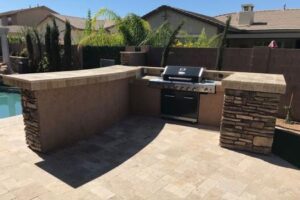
(248, 121)
(31, 120)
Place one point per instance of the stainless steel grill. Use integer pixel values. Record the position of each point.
(181, 88)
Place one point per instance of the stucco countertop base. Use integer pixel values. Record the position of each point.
(269, 83)
(43, 81)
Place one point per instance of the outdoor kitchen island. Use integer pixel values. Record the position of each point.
(62, 107)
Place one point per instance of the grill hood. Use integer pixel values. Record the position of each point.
(183, 73)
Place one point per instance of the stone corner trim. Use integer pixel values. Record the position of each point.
(248, 120)
(31, 120)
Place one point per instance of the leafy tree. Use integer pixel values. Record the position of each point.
(171, 41)
(223, 44)
(88, 24)
(15, 39)
(204, 41)
(102, 38)
(68, 46)
(54, 46)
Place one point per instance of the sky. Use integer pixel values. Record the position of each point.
(122, 7)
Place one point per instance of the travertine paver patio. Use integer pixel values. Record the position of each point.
(141, 158)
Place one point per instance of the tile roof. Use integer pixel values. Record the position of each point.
(12, 12)
(268, 20)
(78, 22)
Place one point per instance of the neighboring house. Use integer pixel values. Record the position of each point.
(194, 23)
(249, 28)
(77, 25)
(17, 19)
(259, 28)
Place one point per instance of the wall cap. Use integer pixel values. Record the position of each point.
(257, 82)
(52, 80)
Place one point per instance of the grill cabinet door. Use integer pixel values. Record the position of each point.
(168, 103)
(180, 104)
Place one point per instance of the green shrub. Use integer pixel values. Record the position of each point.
(102, 38)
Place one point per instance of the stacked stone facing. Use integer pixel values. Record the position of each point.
(31, 119)
(248, 120)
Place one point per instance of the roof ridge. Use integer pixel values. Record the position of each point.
(272, 10)
(195, 14)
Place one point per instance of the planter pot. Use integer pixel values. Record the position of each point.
(19, 64)
(287, 146)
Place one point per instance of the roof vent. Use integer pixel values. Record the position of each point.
(246, 16)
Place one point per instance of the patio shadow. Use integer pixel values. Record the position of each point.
(272, 159)
(89, 159)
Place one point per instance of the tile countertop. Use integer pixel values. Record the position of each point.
(51, 80)
(269, 83)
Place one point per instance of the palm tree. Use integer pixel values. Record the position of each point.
(132, 27)
(158, 37)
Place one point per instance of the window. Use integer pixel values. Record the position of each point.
(9, 21)
(1, 22)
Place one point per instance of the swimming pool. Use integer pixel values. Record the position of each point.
(10, 103)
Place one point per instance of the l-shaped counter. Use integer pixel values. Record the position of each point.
(62, 107)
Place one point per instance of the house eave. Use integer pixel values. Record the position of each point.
(264, 35)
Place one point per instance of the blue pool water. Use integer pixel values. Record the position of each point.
(10, 104)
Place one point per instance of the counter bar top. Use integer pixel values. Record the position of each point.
(43, 81)
(269, 83)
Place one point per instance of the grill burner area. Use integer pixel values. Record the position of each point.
(203, 87)
(184, 79)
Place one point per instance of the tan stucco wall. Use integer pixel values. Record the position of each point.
(75, 34)
(192, 26)
(77, 112)
(4, 20)
(144, 100)
(211, 106)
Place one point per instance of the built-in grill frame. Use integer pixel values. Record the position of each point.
(173, 102)
(182, 80)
